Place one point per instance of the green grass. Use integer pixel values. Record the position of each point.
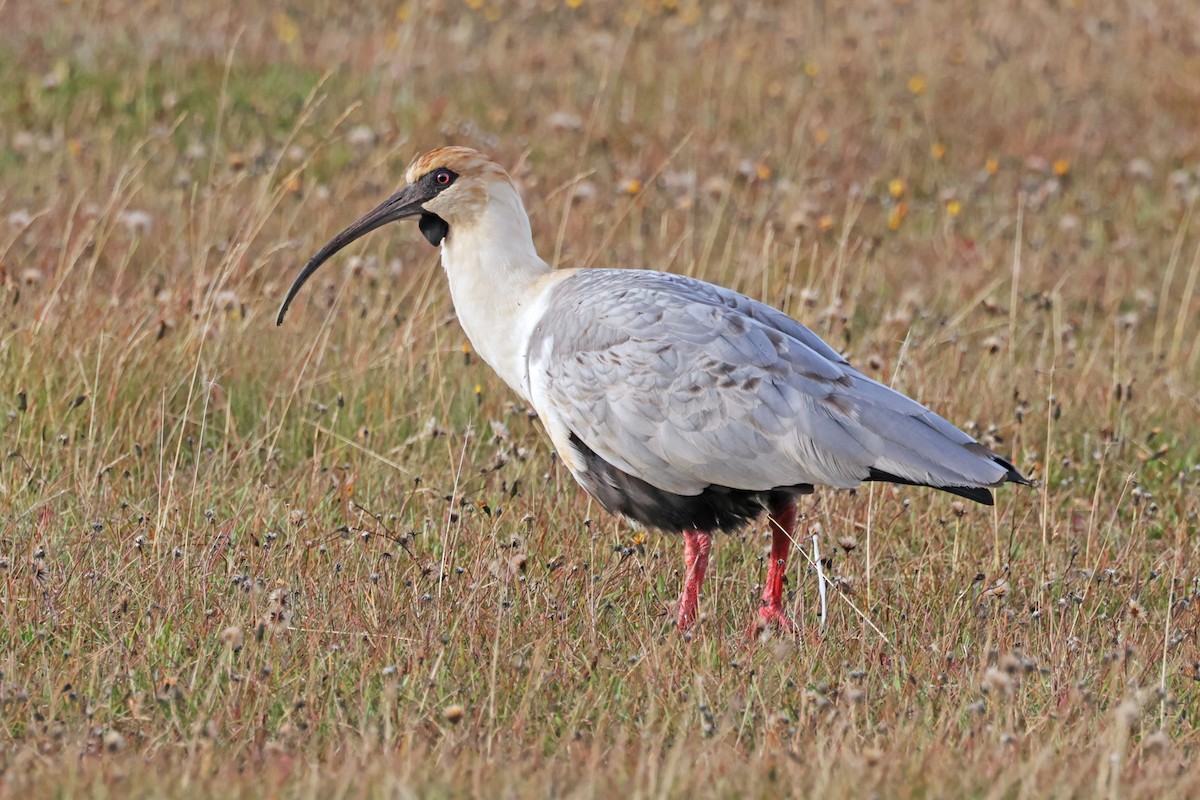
(339, 558)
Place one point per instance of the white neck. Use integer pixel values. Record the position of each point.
(497, 282)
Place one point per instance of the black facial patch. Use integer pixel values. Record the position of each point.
(433, 228)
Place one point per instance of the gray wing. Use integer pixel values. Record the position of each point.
(685, 385)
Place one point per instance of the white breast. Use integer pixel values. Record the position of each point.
(499, 324)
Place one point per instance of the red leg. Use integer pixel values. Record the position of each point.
(696, 546)
(782, 519)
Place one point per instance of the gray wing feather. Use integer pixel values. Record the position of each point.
(685, 385)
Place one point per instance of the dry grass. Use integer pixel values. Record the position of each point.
(336, 559)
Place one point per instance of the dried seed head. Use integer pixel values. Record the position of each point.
(835, 313)
(233, 638)
(997, 682)
(1011, 664)
(872, 756)
(848, 543)
(210, 730)
(1128, 714)
(361, 137)
(227, 300)
(1156, 744)
(114, 741)
(1140, 169)
(716, 186)
(564, 120)
(584, 192)
(997, 590)
(1135, 608)
(278, 616)
(137, 222)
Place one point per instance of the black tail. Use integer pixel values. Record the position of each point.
(1014, 475)
(979, 494)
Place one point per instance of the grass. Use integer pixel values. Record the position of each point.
(337, 558)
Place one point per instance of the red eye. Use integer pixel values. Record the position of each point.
(442, 178)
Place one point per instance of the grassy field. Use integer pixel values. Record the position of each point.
(338, 559)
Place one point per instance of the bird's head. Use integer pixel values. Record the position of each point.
(446, 188)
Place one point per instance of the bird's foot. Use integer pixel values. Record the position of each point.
(686, 617)
(770, 617)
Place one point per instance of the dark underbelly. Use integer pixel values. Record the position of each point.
(717, 508)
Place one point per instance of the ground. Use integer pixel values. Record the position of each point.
(338, 558)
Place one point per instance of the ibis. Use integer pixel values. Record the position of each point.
(676, 403)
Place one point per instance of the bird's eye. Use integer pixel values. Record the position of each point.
(442, 177)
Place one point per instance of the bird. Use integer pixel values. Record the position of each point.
(678, 404)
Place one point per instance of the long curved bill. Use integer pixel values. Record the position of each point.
(403, 204)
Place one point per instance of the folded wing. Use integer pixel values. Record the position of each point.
(687, 385)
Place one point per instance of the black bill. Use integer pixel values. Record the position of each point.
(402, 205)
